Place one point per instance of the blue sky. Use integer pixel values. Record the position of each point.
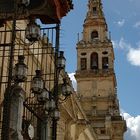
(123, 19)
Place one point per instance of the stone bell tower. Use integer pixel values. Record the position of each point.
(96, 80)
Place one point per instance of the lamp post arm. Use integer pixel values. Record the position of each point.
(56, 79)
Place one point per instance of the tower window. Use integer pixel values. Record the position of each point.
(94, 35)
(94, 11)
(105, 64)
(83, 54)
(83, 63)
(94, 61)
(105, 53)
(102, 131)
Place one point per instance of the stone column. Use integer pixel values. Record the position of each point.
(108, 125)
(16, 112)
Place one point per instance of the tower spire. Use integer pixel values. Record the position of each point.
(95, 9)
(95, 26)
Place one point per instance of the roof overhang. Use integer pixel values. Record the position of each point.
(48, 11)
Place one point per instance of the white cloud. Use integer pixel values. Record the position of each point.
(74, 82)
(121, 44)
(121, 22)
(132, 54)
(137, 24)
(133, 126)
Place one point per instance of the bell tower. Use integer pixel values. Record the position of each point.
(96, 80)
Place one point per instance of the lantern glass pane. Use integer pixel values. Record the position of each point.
(44, 96)
(66, 90)
(20, 72)
(33, 32)
(47, 106)
(61, 62)
(37, 85)
(56, 114)
(52, 104)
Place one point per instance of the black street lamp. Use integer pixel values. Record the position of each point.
(61, 61)
(37, 84)
(32, 32)
(43, 96)
(50, 105)
(20, 70)
(66, 88)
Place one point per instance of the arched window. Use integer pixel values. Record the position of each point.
(94, 61)
(94, 35)
(94, 11)
(105, 64)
